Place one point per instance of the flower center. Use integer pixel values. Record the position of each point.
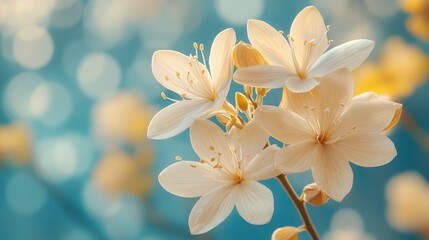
(238, 178)
(301, 69)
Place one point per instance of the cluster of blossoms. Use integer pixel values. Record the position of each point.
(323, 127)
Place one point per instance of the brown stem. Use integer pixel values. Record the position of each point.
(300, 206)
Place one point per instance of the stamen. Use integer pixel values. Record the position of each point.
(166, 78)
(192, 165)
(202, 54)
(178, 158)
(196, 50)
(202, 161)
(165, 97)
(295, 62)
(281, 32)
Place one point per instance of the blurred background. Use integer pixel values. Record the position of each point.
(77, 93)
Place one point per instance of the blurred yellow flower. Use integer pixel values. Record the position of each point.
(119, 173)
(418, 23)
(400, 69)
(408, 203)
(123, 117)
(15, 143)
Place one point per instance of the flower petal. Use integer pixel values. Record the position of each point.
(187, 179)
(262, 166)
(171, 67)
(270, 43)
(248, 141)
(177, 117)
(265, 76)
(283, 125)
(298, 157)
(220, 61)
(332, 173)
(209, 142)
(349, 55)
(211, 209)
(309, 25)
(255, 202)
(364, 116)
(367, 149)
(297, 85)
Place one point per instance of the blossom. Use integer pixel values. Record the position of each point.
(226, 176)
(202, 93)
(297, 64)
(285, 233)
(325, 129)
(401, 68)
(407, 197)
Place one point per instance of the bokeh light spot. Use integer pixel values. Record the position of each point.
(239, 11)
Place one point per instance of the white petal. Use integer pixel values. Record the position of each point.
(332, 173)
(364, 116)
(248, 141)
(255, 202)
(297, 85)
(167, 64)
(309, 25)
(220, 61)
(262, 166)
(265, 76)
(212, 209)
(209, 142)
(349, 55)
(175, 118)
(298, 157)
(270, 43)
(187, 179)
(367, 149)
(283, 125)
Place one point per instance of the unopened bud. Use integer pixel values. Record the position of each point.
(245, 55)
(223, 119)
(241, 102)
(262, 91)
(396, 117)
(314, 196)
(248, 90)
(285, 233)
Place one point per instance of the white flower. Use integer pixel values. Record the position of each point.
(298, 63)
(226, 176)
(202, 92)
(325, 129)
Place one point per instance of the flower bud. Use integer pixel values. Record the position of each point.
(262, 91)
(314, 196)
(241, 102)
(245, 55)
(223, 119)
(285, 233)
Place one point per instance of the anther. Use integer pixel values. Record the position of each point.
(195, 45)
(211, 148)
(178, 158)
(166, 78)
(281, 32)
(163, 96)
(202, 161)
(201, 47)
(192, 165)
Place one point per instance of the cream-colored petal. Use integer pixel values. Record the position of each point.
(309, 25)
(177, 117)
(209, 142)
(270, 43)
(172, 69)
(367, 149)
(188, 179)
(248, 141)
(255, 202)
(283, 125)
(349, 55)
(332, 173)
(265, 76)
(212, 209)
(262, 166)
(298, 157)
(220, 61)
(297, 85)
(363, 116)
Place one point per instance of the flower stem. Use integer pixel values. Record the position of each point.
(300, 206)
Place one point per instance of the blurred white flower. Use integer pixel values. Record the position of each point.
(202, 93)
(326, 128)
(226, 176)
(297, 63)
